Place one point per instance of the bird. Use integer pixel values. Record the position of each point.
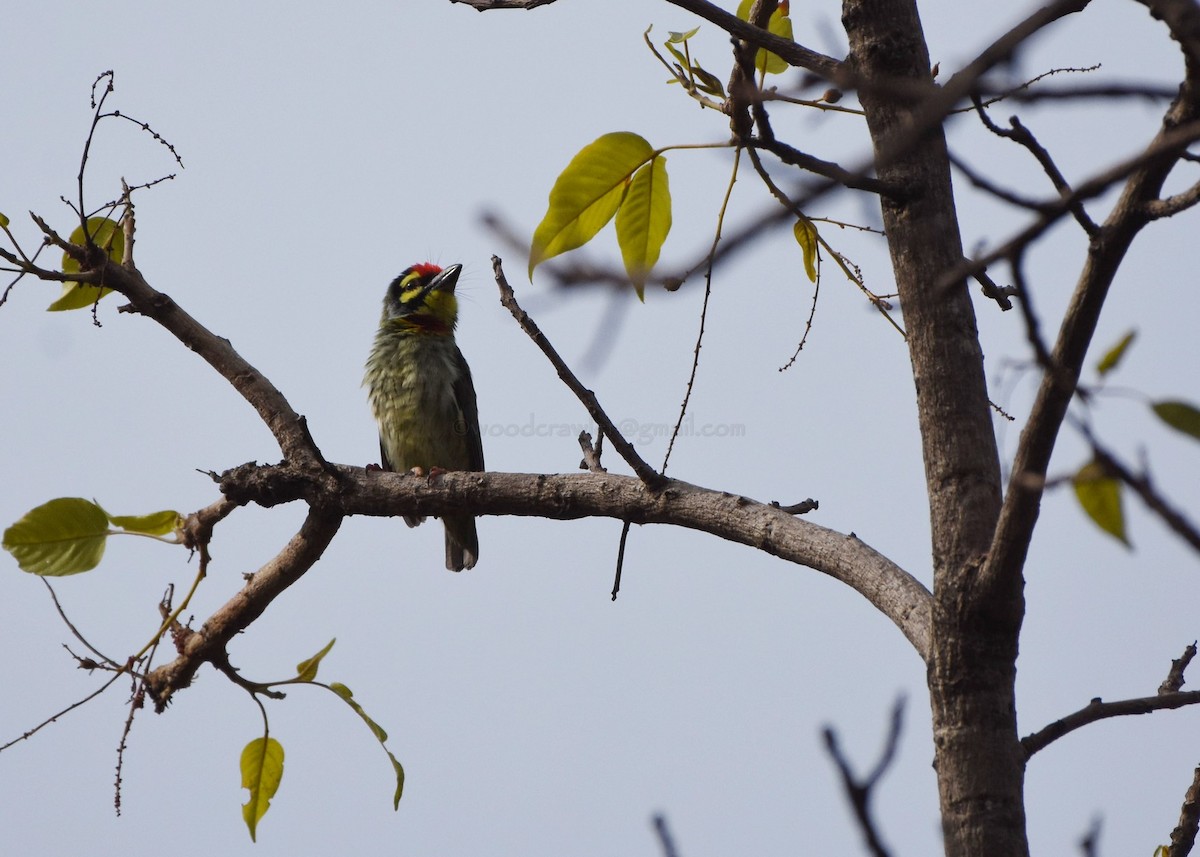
(422, 395)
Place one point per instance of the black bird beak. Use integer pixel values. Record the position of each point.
(446, 280)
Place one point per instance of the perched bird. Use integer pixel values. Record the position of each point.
(421, 392)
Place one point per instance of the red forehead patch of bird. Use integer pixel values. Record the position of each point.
(427, 269)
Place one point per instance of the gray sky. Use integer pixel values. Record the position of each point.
(326, 152)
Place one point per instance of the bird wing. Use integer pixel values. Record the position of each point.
(464, 397)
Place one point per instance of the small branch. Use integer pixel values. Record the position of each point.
(827, 169)
(620, 559)
(489, 5)
(1158, 208)
(105, 659)
(987, 185)
(1000, 294)
(859, 791)
(53, 718)
(1018, 133)
(801, 508)
(790, 52)
(665, 842)
(208, 644)
(1174, 680)
(644, 471)
(1099, 710)
(591, 454)
(1183, 837)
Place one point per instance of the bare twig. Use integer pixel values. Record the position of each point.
(1018, 133)
(488, 5)
(107, 661)
(859, 791)
(620, 559)
(591, 454)
(665, 841)
(1100, 710)
(801, 508)
(624, 448)
(1174, 680)
(1183, 837)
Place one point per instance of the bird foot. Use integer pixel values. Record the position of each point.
(436, 472)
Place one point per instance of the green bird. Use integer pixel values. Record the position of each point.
(422, 395)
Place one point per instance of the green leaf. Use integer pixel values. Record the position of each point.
(708, 83)
(644, 220)
(677, 38)
(1113, 356)
(348, 697)
(1180, 416)
(77, 296)
(587, 194)
(64, 536)
(262, 770)
(678, 54)
(109, 237)
(781, 25)
(806, 236)
(155, 524)
(1100, 496)
(4, 221)
(307, 670)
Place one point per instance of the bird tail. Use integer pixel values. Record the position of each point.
(462, 542)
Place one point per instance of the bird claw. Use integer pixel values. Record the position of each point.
(435, 472)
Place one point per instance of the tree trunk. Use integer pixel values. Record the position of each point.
(972, 664)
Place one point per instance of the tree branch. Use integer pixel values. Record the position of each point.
(898, 595)
(1183, 837)
(1027, 482)
(208, 644)
(624, 448)
(858, 792)
(1098, 710)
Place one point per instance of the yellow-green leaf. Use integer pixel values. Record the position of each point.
(676, 38)
(1180, 416)
(587, 194)
(1099, 495)
(109, 237)
(398, 769)
(77, 296)
(155, 524)
(346, 694)
(3, 221)
(644, 220)
(806, 236)
(1113, 356)
(307, 670)
(781, 25)
(262, 770)
(64, 536)
(348, 697)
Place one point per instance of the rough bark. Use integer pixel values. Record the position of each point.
(972, 664)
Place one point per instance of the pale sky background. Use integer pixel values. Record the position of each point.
(327, 150)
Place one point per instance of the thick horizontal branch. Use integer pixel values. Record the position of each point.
(898, 595)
